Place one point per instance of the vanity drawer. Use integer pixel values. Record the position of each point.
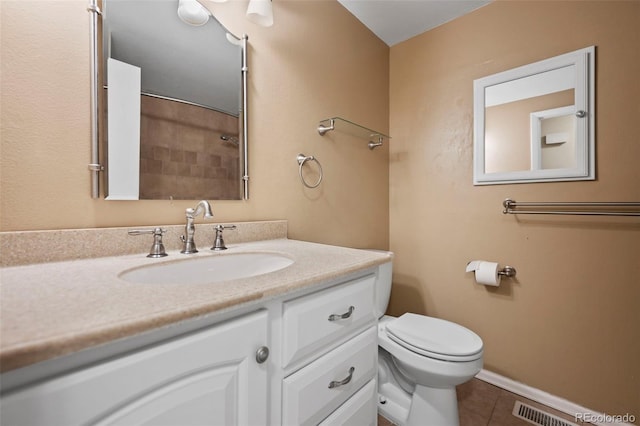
(313, 322)
(306, 395)
(361, 409)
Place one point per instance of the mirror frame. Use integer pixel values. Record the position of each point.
(584, 62)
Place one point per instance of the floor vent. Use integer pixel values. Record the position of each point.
(537, 417)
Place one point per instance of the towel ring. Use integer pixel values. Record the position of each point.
(303, 159)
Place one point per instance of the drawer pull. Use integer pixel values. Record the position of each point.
(336, 317)
(337, 383)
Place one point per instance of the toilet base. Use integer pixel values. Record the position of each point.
(433, 406)
(393, 403)
(427, 406)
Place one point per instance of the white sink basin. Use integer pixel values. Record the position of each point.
(208, 269)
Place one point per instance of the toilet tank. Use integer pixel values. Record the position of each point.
(383, 286)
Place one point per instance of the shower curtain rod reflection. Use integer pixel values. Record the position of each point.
(593, 208)
(182, 101)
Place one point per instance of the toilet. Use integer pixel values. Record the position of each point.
(420, 362)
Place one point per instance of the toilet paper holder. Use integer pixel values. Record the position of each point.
(507, 271)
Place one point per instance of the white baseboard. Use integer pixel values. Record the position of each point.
(547, 399)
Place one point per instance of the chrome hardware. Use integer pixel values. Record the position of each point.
(322, 129)
(233, 140)
(336, 317)
(262, 354)
(588, 208)
(303, 159)
(219, 241)
(338, 383)
(94, 8)
(581, 114)
(94, 167)
(353, 129)
(507, 271)
(245, 120)
(189, 244)
(373, 145)
(157, 249)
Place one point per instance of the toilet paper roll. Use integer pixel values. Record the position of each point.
(486, 272)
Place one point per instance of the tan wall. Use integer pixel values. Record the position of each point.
(316, 62)
(570, 323)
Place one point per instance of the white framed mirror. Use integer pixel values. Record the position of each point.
(536, 123)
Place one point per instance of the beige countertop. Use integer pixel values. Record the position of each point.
(53, 309)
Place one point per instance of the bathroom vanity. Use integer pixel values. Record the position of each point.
(296, 346)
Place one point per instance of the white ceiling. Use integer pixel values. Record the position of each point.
(394, 21)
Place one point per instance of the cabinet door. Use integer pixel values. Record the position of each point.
(209, 377)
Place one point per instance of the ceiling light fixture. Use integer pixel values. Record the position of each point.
(193, 13)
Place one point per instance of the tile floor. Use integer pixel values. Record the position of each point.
(483, 404)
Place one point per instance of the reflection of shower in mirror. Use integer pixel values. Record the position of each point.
(191, 91)
(233, 140)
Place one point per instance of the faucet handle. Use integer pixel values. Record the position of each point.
(157, 249)
(219, 241)
(153, 231)
(221, 227)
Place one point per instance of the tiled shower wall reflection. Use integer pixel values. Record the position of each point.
(182, 154)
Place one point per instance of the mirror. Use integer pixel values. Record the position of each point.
(175, 109)
(535, 123)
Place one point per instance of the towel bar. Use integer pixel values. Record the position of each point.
(592, 208)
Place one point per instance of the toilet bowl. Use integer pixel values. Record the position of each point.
(426, 371)
(420, 362)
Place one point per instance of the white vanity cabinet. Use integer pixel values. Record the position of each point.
(333, 334)
(321, 369)
(209, 377)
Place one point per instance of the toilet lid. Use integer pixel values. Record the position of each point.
(435, 338)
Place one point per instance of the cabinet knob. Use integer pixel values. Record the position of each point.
(262, 354)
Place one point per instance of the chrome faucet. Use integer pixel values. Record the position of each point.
(189, 244)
